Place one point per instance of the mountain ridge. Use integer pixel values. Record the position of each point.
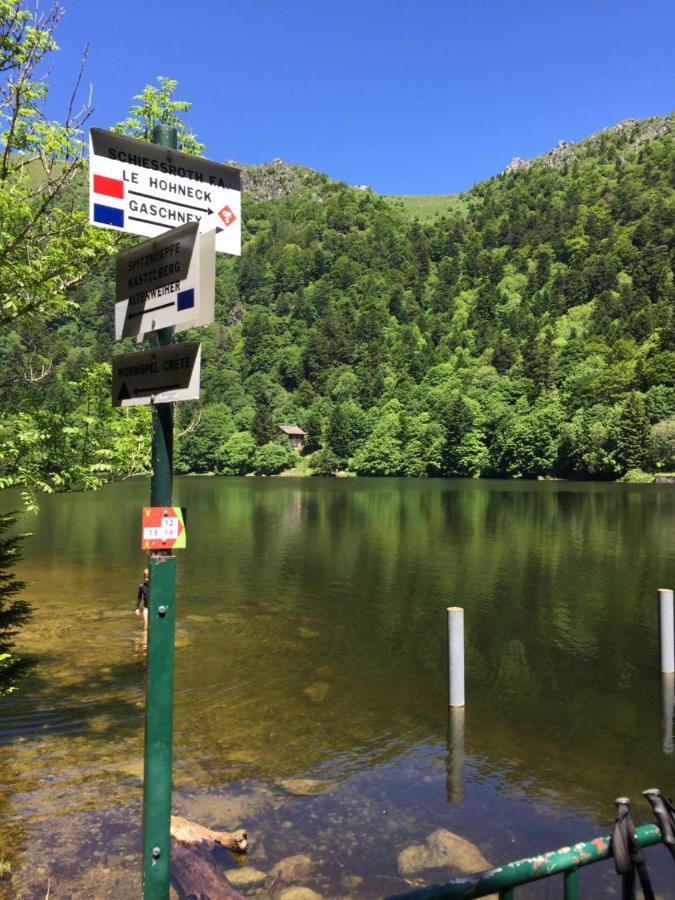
(277, 178)
(636, 132)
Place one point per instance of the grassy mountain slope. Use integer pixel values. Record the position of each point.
(427, 206)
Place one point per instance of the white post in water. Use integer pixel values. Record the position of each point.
(456, 656)
(667, 630)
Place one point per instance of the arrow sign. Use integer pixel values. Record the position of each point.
(206, 210)
(159, 375)
(166, 281)
(163, 528)
(147, 189)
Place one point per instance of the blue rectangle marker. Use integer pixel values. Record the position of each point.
(108, 215)
(185, 300)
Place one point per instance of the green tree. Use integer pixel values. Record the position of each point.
(347, 428)
(312, 423)
(324, 462)
(263, 422)
(528, 441)
(69, 437)
(337, 435)
(131, 436)
(633, 433)
(662, 444)
(270, 459)
(464, 451)
(157, 106)
(13, 612)
(421, 446)
(236, 454)
(46, 246)
(199, 444)
(46, 250)
(381, 453)
(589, 443)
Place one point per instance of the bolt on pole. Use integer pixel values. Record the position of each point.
(161, 635)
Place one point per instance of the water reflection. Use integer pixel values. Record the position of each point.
(456, 755)
(668, 708)
(141, 652)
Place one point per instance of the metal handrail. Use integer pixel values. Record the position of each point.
(503, 879)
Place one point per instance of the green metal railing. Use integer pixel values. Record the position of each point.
(504, 879)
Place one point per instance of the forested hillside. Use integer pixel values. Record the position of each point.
(528, 332)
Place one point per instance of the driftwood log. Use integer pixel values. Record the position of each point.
(194, 874)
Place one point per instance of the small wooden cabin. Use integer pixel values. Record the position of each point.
(294, 434)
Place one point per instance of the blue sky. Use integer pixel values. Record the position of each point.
(408, 96)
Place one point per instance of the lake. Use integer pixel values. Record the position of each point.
(311, 678)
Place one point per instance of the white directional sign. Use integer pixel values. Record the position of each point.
(146, 189)
(168, 280)
(160, 375)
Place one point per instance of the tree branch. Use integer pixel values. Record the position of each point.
(191, 427)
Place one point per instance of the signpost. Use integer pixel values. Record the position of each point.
(166, 281)
(163, 284)
(158, 375)
(145, 189)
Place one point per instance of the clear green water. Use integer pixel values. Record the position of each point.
(311, 644)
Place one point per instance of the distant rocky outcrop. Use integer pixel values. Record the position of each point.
(516, 163)
(639, 131)
(561, 154)
(635, 132)
(271, 180)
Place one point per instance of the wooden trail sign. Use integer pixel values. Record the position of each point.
(166, 281)
(146, 189)
(159, 375)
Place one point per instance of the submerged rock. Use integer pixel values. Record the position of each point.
(97, 881)
(292, 868)
(246, 876)
(183, 639)
(239, 756)
(222, 811)
(229, 618)
(308, 632)
(442, 848)
(304, 787)
(317, 692)
(298, 893)
(135, 769)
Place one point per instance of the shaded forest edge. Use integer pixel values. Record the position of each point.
(526, 333)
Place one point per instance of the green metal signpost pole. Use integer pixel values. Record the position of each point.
(161, 633)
